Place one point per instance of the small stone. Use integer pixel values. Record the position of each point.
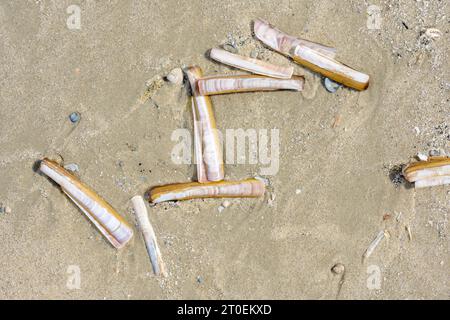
(417, 130)
(338, 268)
(330, 85)
(422, 157)
(199, 279)
(220, 208)
(229, 48)
(298, 191)
(7, 210)
(74, 117)
(72, 167)
(175, 76)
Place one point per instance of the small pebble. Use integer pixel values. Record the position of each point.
(7, 210)
(74, 117)
(72, 167)
(330, 85)
(422, 157)
(298, 191)
(417, 130)
(175, 76)
(199, 279)
(338, 268)
(220, 208)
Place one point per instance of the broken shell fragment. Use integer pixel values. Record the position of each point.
(99, 212)
(433, 172)
(283, 43)
(212, 154)
(151, 244)
(247, 83)
(250, 188)
(330, 85)
(252, 65)
(175, 76)
(330, 68)
(374, 244)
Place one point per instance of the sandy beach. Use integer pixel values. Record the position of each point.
(329, 198)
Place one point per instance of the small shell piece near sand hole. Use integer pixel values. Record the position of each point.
(433, 172)
(140, 210)
(251, 65)
(330, 68)
(283, 43)
(247, 83)
(250, 188)
(374, 244)
(99, 212)
(211, 152)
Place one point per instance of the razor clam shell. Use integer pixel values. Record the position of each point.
(433, 167)
(433, 172)
(201, 172)
(103, 216)
(246, 83)
(211, 147)
(283, 43)
(148, 233)
(330, 68)
(250, 188)
(251, 65)
(432, 182)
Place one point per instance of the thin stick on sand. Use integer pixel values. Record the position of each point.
(140, 210)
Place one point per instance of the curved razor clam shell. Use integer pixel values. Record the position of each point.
(211, 146)
(151, 244)
(434, 167)
(283, 43)
(247, 83)
(432, 182)
(330, 68)
(250, 188)
(251, 65)
(102, 215)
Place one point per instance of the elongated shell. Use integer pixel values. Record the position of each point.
(159, 268)
(433, 172)
(100, 212)
(251, 65)
(250, 188)
(211, 146)
(283, 43)
(198, 152)
(330, 68)
(246, 83)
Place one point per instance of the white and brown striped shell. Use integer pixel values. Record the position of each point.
(246, 83)
(99, 212)
(251, 65)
